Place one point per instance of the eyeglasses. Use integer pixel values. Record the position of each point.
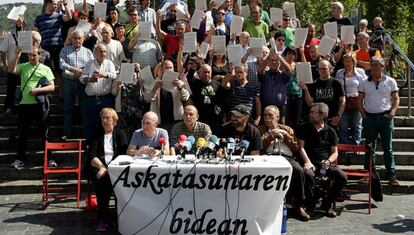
(286, 19)
(133, 14)
(281, 39)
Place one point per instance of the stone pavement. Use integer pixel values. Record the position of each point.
(20, 214)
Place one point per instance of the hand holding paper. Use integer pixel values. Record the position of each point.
(304, 73)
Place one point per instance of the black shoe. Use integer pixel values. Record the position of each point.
(328, 210)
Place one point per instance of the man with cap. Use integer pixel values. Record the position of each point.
(240, 129)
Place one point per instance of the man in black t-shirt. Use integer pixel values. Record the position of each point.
(318, 151)
(337, 9)
(240, 129)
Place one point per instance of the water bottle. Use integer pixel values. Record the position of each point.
(284, 218)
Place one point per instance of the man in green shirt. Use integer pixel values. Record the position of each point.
(256, 27)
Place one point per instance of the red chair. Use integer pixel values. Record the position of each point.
(72, 169)
(358, 173)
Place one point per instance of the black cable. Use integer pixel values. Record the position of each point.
(170, 199)
(194, 200)
(238, 191)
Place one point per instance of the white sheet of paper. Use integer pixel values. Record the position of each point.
(127, 73)
(234, 53)
(16, 12)
(347, 34)
(209, 21)
(84, 26)
(272, 44)
(25, 41)
(276, 15)
(245, 11)
(190, 42)
(289, 8)
(146, 75)
(304, 72)
(300, 36)
(326, 45)
(168, 79)
(236, 24)
(218, 3)
(71, 4)
(204, 47)
(145, 30)
(331, 29)
(257, 46)
(196, 18)
(91, 2)
(163, 10)
(219, 44)
(100, 10)
(201, 5)
(239, 3)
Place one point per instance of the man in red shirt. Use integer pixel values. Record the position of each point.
(311, 40)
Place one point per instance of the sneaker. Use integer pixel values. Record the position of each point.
(393, 181)
(17, 164)
(102, 226)
(52, 163)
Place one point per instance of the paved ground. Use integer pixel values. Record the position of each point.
(20, 214)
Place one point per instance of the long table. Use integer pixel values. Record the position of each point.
(163, 196)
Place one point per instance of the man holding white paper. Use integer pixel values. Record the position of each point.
(337, 9)
(115, 51)
(147, 14)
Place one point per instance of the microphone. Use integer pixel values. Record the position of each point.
(231, 145)
(162, 142)
(187, 145)
(211, 145)
(244, 145)
(191, 139)
(199, 146)
(223, 145)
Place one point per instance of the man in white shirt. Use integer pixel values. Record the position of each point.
(115, 52)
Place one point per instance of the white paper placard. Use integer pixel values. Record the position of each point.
(219, 44)
(272, 44)
(276, 15)
(25, 41)
(330, 29)
(326, 45)
(204, 47)
(145, 30)
(168, 78)
(16, 12)
(300, 36)
(289, 8)
(347, 34)
(190, 42)
(201, 5)
(100, 10)
(239, 3)
(197, 18)
(91, 2)
(304, 72)
(256, 44)
(127, 73)
(245, 11)
(209, 21)
(234, 53)
(146, 75)
(236, 25)
(84, 26)
(218, 3)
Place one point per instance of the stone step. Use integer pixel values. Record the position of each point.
(403, 121)
(403, 145)
(35, 158)
(404, 91)
(8, 144)
(54, 131)
(29, 172)
(401, 158)
(35, 186)
(404, 132)
(55, 97)
(405, 173)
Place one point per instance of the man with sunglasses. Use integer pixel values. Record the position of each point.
(378, 103)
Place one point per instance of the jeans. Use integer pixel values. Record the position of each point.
(12, 81)
(93, 105)
(71, 90)
(350, 120)
(375, 124)
(294, 111)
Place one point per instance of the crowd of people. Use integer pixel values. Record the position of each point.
(259, 100)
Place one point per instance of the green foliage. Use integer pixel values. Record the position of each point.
(33, 10)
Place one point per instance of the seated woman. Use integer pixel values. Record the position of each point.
(147, 139)
(108, 143)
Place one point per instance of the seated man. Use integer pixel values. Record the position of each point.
(280, 139)
(318, 151)
(239, 128)
(147, 139)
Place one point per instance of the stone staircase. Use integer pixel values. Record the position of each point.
(28, 180)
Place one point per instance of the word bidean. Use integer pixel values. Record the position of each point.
(159, 182)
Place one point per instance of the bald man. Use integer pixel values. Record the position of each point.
(115, 51)
(147, 139)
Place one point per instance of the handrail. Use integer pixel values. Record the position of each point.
(410, 68)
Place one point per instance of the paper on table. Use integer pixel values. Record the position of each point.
(190, 42)
(25, 41)
(100, 10)
(276, 15)
(167, 80)
(289, 8)
(127, 73)
(300, 36)
(219, 44)
(196, 18)
(347, 34)
(330, 29)
(201, 5)
(245, 11)
(84, 26)
(91, 2)
(304, 72)
(234, 53)
(204, 49)
(146, 75)
(16, 12)
(272, 44)
(256, 44)
(326, 45)
(145, 30)
(236, 24)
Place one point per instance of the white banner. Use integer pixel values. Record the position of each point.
(165, 197)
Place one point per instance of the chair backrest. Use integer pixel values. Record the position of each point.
(353, 148)
(72, 145)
